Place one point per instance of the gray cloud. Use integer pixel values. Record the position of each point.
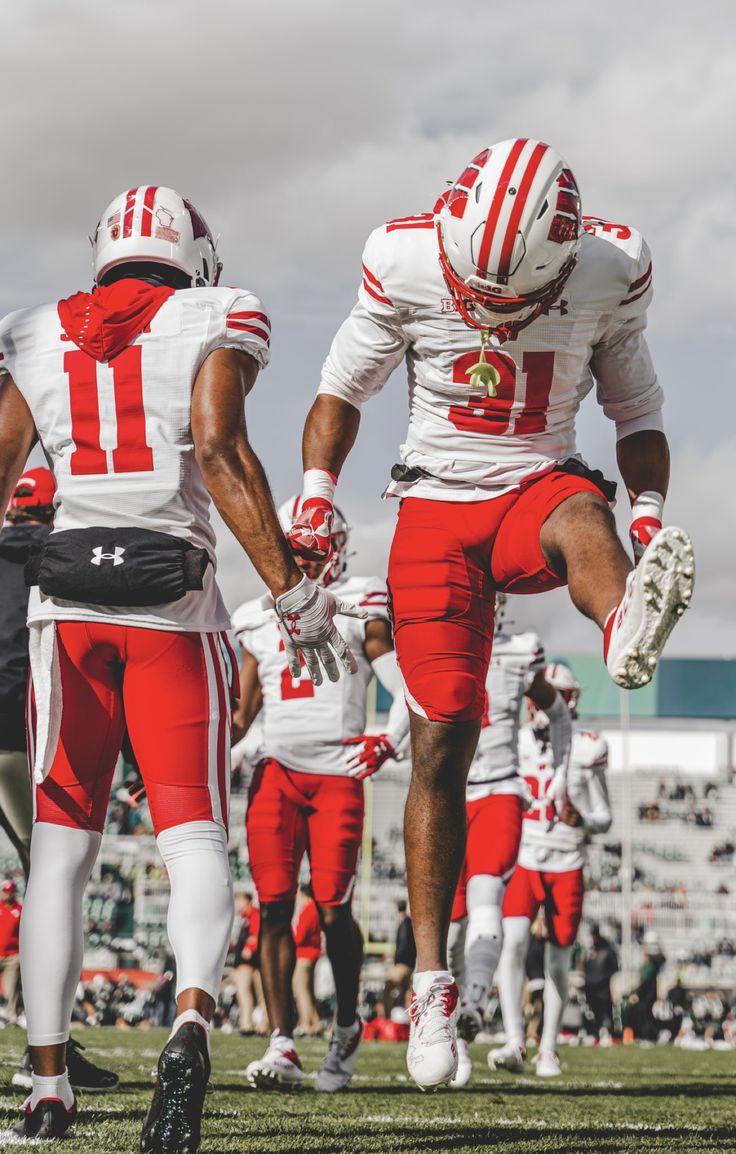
(299, 127)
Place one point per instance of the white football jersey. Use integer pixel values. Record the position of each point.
(118, 435)
(515, 662)
(304, 724)
(473, 447)
(548, 844)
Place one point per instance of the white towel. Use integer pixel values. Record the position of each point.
(46, 677)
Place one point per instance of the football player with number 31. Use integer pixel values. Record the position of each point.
(136, 392)
(307, 795)
(507, 305)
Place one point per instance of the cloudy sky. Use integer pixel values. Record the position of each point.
(298, 127)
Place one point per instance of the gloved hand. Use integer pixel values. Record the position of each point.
(370, 753)
(306, 622)
(646, 521)
(556, 793)
(310, 536)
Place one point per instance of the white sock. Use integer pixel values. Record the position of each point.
(510, 976)
(345, 1033)
(51, 929)
(282, 1041)
(200, 918)
(191, 1016)
(556, 969)
(52, 1086)
(422, 981)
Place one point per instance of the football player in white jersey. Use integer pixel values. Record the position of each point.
(307, 795)
(497, 797)
(550, 872)
(495, 495)
(135, 392)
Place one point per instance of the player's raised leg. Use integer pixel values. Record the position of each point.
(637, 608)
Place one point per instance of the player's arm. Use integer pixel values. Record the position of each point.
(589, 795)
(17, 436)
(628, 390)
(366, 350)
(250, 700)
(370, 751)
(237, 483)
(544, 695)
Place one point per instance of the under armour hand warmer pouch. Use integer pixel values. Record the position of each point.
(116, 567)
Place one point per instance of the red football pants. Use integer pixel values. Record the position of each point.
(172, 691)
(290, 813)
(561, 894)
(447, 560)
(492, 847)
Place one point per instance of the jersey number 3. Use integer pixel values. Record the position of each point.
(133, 454)
(492, 415)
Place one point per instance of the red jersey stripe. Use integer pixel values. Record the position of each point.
(522, 196)
(376, 296)
(424, 220)
(635, 297)
(129, 210)
(373, 279)
(496, 204)
(250, 316)
(638, 283)
(148, 199)
(243, 328)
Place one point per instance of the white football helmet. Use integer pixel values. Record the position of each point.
(509, 232)
(317, 570)
(155, 224)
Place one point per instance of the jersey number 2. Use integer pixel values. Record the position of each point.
(492, 415)
(290, 687)
(133, 454)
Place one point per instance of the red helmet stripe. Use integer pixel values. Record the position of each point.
(129, 210)
(496, 204)
(148, 199)
(519, 203)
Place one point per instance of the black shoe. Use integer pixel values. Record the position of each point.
(50, 1119)
(174, 1120)
(84, 1075)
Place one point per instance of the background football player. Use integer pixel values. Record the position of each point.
(507, 305)
(307, 795)
(549, 873)
(497, 797)
(29, 518)
(136, 393)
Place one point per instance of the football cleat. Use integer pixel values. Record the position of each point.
(83, 1074)
(464, 1071)
(470, 1023)
(340, 1060)
(657, 593)
(510, 1057)
(432, 1054)
(278, 1069)
(174, 1121)
(49, 1119)
(547, 1064)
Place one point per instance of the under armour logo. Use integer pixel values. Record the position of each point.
(116, 557)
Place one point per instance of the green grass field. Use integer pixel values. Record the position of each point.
(624, 1099)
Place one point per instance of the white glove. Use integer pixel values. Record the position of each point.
(306, 623)
(557, 790)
